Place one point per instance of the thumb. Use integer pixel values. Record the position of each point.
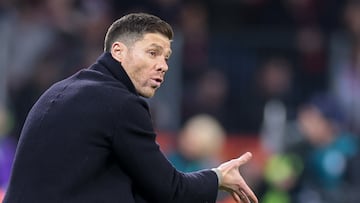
(244, 158)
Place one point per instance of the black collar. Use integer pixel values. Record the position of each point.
(115, 68)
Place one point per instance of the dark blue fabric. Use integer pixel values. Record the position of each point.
(89, 138)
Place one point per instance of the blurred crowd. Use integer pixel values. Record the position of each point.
(286, 72)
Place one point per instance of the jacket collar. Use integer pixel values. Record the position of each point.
(115, 68)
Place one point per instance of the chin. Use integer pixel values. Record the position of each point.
(147, 94)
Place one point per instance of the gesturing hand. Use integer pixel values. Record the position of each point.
(232, 181)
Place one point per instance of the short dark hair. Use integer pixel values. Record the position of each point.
(133, 27)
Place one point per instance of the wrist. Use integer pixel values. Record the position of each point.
(219, 175)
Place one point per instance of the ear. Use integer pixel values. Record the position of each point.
(118, 51)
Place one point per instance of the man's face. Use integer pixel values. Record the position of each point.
(146, 63)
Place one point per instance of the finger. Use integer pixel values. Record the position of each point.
(244, 197)
(249, 194)
(244, 158)
(236, 197)
(240, 196)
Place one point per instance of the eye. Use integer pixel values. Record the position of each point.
(152, 53)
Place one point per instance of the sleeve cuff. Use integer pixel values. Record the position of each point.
(218, 174)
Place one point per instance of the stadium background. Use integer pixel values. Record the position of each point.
(249, 64)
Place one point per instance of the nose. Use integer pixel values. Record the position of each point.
(162, 66)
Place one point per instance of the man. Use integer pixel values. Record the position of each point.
(89, 138)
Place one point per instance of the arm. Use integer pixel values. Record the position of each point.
(152, 174)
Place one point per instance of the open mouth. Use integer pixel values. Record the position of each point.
(157, 82)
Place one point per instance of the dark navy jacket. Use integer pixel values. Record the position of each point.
(89, 138)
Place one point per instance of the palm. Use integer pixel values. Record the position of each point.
(234, 183)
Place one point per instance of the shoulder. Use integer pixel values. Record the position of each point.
(90, 84)
(87, 91)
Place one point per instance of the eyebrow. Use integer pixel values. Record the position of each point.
(160, 47)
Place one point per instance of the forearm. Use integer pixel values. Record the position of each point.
(156, 177)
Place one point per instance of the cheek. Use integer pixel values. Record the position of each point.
(144, 73)
(141, 76)
(141, 69)
(137, 69)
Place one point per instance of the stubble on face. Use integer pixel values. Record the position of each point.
(146, 63)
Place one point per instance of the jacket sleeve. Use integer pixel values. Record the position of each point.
(153, 175)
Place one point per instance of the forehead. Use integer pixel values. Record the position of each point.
(156, 40)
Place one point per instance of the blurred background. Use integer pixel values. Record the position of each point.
(279, 78)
